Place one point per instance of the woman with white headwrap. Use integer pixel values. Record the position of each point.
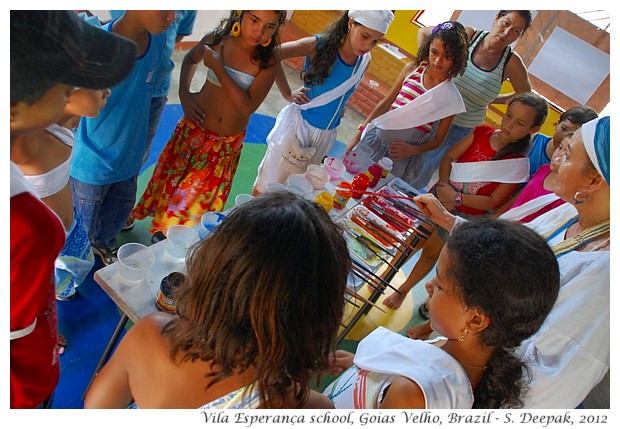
(569, 355)
(305, 129)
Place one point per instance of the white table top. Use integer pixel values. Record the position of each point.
(136, 301)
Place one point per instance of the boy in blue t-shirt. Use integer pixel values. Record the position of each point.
(570, 121)
(110, 148)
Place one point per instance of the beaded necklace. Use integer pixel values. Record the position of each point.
(584, 237)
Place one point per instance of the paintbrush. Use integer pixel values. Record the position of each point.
(369, 248)
(361, 298)
(367, 271)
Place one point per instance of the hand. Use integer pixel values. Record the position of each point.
(299, 95)
(212, 55)
(446, 194)
(432, 208)
(399, 150)
(340, 361)
(191, 108)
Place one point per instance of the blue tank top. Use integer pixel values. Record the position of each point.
(327, 117)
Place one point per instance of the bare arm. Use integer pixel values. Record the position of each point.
(518, 76)
(189, 100)
(304, 47)
(384, 105)
(445, 166)
(401, 149)
(245, 101)
(403, 393)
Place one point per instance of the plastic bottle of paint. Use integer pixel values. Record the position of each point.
(386, 164)
(360, 183)
(374, 174)
(342, 195)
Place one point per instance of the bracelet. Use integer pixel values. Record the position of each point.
(360, 127)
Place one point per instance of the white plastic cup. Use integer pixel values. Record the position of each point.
(209, 221)
(363, 149)
(242, 198)
(179, 239)
(276, 187)
(298, 185)
(134, 261)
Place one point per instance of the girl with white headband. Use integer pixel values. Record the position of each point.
(335, 63)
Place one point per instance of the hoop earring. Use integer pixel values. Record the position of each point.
(462, 336)
(267, 43)
(236, 29)
(581, 197)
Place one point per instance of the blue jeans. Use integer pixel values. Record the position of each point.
(432, 159)
(104, 208)
(157, 109)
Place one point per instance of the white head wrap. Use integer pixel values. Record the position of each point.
(378, 20)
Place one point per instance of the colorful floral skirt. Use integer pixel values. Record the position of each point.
(193, 175)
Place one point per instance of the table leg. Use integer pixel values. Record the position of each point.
(108, 350)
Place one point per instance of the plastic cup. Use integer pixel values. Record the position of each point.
(134, 261)
(209, 221)
(298, 185)
(363, 149)
(180, 238)
(242, 198)
(334, 167)
(317, 176)
(276, 187)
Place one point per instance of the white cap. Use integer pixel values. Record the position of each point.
(378, 20)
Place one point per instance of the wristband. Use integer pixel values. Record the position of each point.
(360, 127)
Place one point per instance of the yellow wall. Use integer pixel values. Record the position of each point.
(403, 33)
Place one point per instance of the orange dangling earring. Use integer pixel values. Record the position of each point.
(236, 29)
(267, 43)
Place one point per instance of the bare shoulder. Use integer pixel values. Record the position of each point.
(404, 393)
(150, 326)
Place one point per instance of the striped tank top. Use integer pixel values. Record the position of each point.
(412, 88)
(479, 87)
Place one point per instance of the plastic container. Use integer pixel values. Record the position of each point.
(386, 164)
(276, 187)
(179, 239)
(298, 185)
(135, 260)
(242, 198)
(360, 183)
(317, 176)
(334, 167)
(165, 298)
(326, 200)
(342, 195)
(374, 174)
(209, 221)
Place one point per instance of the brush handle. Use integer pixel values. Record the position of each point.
(402, 197)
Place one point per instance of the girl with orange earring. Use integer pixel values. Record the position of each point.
(195, 170)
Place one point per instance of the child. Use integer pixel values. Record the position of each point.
(496, 282)
(110, 148)
(541, 156)
(335, 64)
(442, 57)
(51, 52)
(248, 332)
(195, 170)
(45, 158)
(490, 62)
(480, 173)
